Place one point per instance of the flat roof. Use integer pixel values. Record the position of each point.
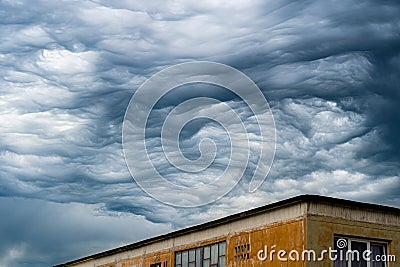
(238, 216)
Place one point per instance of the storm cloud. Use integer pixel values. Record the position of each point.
(331, 74)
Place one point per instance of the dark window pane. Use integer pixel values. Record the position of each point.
(356, 254)
(376, 255)
(340, 260)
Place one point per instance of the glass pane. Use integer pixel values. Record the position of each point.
(185, 259)
(206, 263)
(192, 255)
(178, 258)
(376, 255)
(221, 261)
(340, 260)
(222, 248)
(192, 264)
(207, 252)
(356, 255)
(199, 258)
(214, 254)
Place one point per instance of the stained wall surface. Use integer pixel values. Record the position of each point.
(325, 221)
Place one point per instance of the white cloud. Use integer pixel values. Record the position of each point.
(66, 62)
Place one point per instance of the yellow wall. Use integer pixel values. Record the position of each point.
(288, 235)
(321, 231)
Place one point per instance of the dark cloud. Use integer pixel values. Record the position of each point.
(32, 227)
(68, 70)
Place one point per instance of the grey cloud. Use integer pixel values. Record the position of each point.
(33, 226)
(68, 70)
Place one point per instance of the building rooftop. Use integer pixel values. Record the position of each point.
(239, 216)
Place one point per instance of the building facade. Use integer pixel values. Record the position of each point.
(306, 230)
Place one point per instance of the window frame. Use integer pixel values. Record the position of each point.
(350, 239)
(201, 252)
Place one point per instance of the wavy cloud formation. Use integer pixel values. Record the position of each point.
(69, 68)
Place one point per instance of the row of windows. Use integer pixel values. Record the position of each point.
(214, 255)
(207, 256)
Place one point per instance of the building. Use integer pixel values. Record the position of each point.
(306, 230)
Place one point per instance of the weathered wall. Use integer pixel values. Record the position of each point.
(326, 220)
(242, 247)
(286, 235)
(144, 256)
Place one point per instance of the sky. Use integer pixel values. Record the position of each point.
(329, 70)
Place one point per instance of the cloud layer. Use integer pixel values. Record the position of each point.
(68, 70)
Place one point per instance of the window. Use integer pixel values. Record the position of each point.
(241, 252)
(207, 256)
(353, 252)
